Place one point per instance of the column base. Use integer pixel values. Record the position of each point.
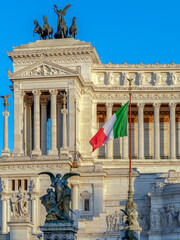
(36, 153)
(5, 153)
(53, 152)
(64, 153)
(17, 153)
(59, 230)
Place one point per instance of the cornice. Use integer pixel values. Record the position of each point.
(135, 67)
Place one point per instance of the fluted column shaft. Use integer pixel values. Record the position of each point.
(140, 130)
(53, 150)
(64, 111)
(75, 200)
(59, 124)
(94, 123)
(156, 131)
(172, 107)
(36, 150)
(29, 126)
(18, 122)
(5, 151)
(44, 103)
(109, 143)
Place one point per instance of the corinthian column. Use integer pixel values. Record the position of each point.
(53, 150)
(5, 151)
(29, 126)
(140, 130)
(94, 123)
(156, 131)
(109, 143)
(44, 103)
(36, 150)
(18, 122)
(4, 216)
(59, 123)
(172, 107)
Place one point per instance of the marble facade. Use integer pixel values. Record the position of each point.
(44, 139)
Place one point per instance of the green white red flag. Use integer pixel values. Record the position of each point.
(115, 127)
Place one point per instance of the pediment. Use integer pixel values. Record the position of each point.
(42, 69)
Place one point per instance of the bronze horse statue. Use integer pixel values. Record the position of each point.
(46, 30)
(37, 29)
(73, 29)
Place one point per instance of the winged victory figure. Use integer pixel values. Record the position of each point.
(62, 30)
(57, 202)
(6, 104)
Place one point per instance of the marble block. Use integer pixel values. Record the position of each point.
(59, 230)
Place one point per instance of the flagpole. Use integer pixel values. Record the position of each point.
(130, 204)
(75, 164)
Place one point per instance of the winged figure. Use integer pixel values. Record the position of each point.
(61, 24)
(6, 104)
(62, 196)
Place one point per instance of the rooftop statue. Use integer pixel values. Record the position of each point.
(62, 30)
(57, 201)
(37, 29)
(44, 32)
(6, 104)
(47, 31)
(73, 28)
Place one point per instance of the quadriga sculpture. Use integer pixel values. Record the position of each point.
(57, 202)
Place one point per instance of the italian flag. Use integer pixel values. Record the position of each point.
(115, 127)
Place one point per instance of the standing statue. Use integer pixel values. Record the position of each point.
(73, 29)
(57, 203)
(6, 104)
(37, 29)
(46, 30)
(62, 30)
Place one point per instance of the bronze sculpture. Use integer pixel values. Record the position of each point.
(62, 30)
(57, 202)
(47, 31)
(6, 104)
(73, 28)
(37, 29)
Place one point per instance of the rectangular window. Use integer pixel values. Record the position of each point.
(25, 184)
(13, 185)
(86, 204)
(19, 183)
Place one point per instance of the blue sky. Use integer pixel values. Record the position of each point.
(131, 31)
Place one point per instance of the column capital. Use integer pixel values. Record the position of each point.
(109, 105)
(53, 91)
(156, 105)
(140, 105)
(172, 105)
(5, 114)
(36, 92)
(44, 102)
(64, 111)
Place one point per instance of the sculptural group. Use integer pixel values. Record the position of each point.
(57, 201)
(62, 30)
